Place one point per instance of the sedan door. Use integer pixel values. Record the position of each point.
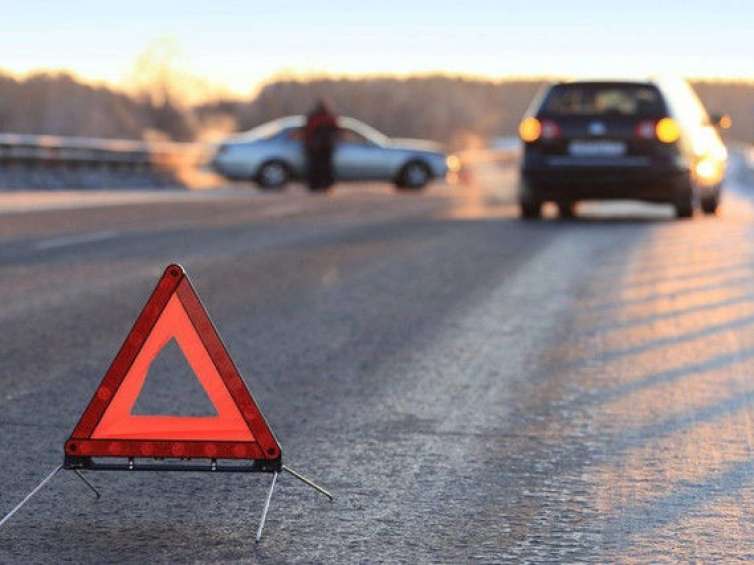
(358, 158)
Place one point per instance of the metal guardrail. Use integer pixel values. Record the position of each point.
(48, 161)
(52, 151)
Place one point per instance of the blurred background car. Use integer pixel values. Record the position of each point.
(272, 154)
(649, 140)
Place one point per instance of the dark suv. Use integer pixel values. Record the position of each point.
(650, 141)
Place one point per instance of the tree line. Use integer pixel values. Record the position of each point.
(456, 110)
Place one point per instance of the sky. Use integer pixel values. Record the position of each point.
(238, 45)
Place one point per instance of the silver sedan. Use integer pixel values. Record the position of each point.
(272, 154)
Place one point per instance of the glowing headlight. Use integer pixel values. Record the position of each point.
(453, 163)
(706, 169)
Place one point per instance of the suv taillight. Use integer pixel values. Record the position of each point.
(665, 130)
(550, 130)
(530, 129)
(645, 129)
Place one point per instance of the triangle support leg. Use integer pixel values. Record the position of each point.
(308, 482)
(47, 479)
(266, 507)
(81, 476)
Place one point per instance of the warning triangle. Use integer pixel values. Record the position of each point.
(111, 427)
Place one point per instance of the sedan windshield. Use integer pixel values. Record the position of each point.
(364, 130)
(270, 129)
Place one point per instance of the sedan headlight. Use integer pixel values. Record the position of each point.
(453, 162)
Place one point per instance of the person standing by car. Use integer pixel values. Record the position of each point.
(320, 135)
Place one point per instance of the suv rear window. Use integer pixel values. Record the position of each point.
(590, 99)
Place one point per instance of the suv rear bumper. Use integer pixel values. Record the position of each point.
(616, 183)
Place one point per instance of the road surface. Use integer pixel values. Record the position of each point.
(473, 388)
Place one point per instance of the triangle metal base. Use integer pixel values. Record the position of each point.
(169, 467)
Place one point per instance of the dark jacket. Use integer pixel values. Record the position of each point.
(320, 131)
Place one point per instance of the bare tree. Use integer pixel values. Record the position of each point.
(455, 110)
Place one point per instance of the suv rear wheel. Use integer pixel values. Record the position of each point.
(709, 204)
(684, 208)
(684, 199)
(530, 210)
(528, 203)
(566, 210)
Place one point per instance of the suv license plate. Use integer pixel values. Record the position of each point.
(597, 148)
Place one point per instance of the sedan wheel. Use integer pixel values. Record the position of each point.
(272, 175)
(414, 176)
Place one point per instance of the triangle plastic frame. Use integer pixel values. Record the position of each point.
(260, 446)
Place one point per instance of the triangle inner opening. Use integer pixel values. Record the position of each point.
(171, 388)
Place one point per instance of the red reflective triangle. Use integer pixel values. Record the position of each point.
(108, 428)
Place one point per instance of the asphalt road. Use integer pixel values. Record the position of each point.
(473, 388)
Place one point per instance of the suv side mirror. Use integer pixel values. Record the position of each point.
(720, 121)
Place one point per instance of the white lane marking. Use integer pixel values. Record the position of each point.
(65, 240)
(18, 202)
(282, 210)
